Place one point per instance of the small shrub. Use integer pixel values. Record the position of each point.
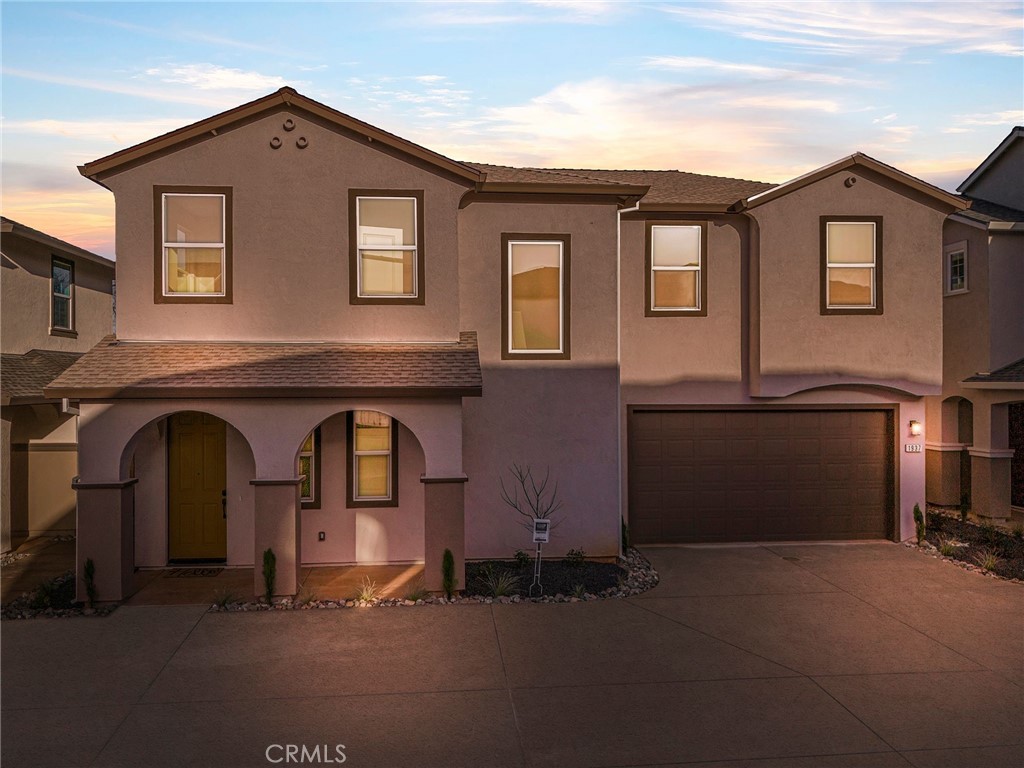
(368, 591)
(625, 535)
(269, 574)
(965, 506)
(990, 532)
(448, 581)
(57, 593)
(418, 592)
(987, 559)
(946, 546)
(575, 558)
(499, 582)
(579, 591)
(1017, 532)
(522, 559)
(306, 596)
(224, 598)
(919, 523)
(89, 577)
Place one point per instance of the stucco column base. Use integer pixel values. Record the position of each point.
(444, 528)
(5, 486)
(990, 485)
(942, 473)
(105, 534)
(276, 527)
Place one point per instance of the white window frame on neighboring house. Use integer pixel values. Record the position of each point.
(69, 265)
(385, 232)
(948, 252)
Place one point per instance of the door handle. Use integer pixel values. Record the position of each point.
(224, 503)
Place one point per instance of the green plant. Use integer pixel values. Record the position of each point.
(89, 577)
(575, 558)
(224, 598)
(579, 591)
(269, 573)
(418, 592)
(522, 559)
(1017, 532)
(987, 559)
(368, 590)
(306, 596)
(58, 593)
(919, 523)
(946, 546)
(498, 582)
(965, 506)
(625, 535)
(990, 532)
(448, 581)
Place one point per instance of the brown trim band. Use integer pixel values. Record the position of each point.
(81, 485)
(279, 481)
(547, 198)
(158, 245)
(353, 249)
(64, 333)
(438, 480)
(190, 393)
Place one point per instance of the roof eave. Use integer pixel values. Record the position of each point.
(190, 393)
(685, 207)
(995, 154)
(968, 384)
(562, 188)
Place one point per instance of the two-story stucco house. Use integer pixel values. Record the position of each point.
(334, 343)
(976, 448)
(57, 303)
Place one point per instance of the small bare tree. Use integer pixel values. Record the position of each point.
(529, 498)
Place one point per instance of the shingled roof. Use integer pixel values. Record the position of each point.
(1008, 374)
(986, 212)
(23, 377)
(237, 369)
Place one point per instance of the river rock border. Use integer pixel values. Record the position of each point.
(927, 548)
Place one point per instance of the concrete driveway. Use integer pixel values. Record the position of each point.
(816, 656)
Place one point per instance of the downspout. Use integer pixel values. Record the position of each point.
(618, 356)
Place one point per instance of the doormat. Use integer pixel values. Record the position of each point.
(184, 573)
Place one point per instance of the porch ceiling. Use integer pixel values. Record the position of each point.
(139, 369)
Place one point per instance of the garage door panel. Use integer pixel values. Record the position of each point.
(759, 475)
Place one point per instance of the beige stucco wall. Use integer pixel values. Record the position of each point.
(25, 298)
(546, 414)
(901, 347)
(1006, 310)
(1001, 181)
(291, 256)
(966, 327)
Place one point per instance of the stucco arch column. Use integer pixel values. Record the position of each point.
(943, 451)
(990, 461)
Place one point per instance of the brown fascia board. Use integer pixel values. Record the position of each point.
(686, 207)
(563, 189)
(17, 229)
(284, 97)
(218, 393)
(995, 154)
(953, 202)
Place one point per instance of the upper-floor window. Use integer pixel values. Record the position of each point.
(676, 269)
(62, 296)
(309, 469)
(851, 265)
(194, 244)
(956, 267)
(386, 246)
(535, 296)
(372, 460)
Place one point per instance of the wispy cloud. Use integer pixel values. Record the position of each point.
(883, 30)
(788, 103)
(754, 71)
(969, 122)
(126, 89)
(122, 132)
(211, 77)
(482, 14)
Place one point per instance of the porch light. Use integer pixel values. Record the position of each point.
(915, 428)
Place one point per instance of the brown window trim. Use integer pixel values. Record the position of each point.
(823, 259)
(350, 501)
(649, 310)
(56, 330)
(353, 249)
(158, 244)
(566, 241)
(317, 472)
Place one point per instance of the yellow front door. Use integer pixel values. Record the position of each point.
(196, 487)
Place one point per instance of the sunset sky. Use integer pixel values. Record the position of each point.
(761, 90)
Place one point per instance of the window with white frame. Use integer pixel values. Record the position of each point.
(851, 264)
(194, 239)
(676, 266)
(62, 295)
(535, 304)
(372, 459)
(956, 268)
(387, 234)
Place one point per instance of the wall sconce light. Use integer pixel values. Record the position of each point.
(915, 428)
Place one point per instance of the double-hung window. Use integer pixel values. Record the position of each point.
(851, 265)
(956, 268)
(676, 269)
(372, 460)
(62, 296)
(193, 244)
(535, 296)
(309, 469)
(386, 246)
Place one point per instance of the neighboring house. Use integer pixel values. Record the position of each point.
(976, 450)
(56, 305)
(333, 343)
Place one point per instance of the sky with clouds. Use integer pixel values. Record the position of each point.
(760, 90)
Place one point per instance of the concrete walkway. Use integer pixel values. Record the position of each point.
(815, 656)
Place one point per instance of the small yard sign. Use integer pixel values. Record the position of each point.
(541, 530)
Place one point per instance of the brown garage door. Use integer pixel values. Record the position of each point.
(769, 475)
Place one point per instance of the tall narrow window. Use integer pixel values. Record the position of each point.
(387, 248)
(194, 244)
(851, 265)
(956, 267)
(62, 295)
(535, 300)
(309, 469)
(373, 469)
(676, 274)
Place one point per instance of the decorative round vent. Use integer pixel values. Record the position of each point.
(850, 181)
(301, 142)
(275, 143)
(289, 124)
